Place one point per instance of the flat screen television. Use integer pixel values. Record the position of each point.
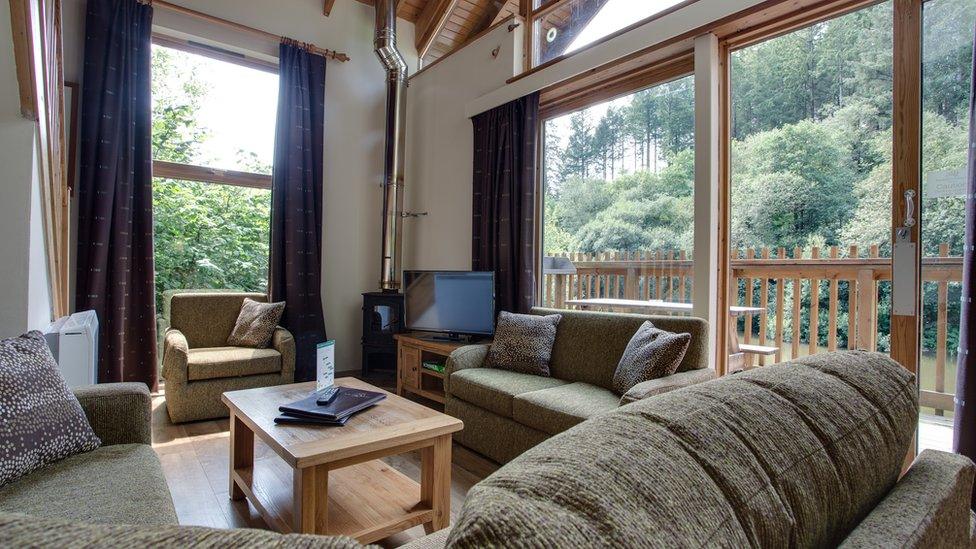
(450, 302)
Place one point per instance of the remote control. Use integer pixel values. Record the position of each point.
(327, 395)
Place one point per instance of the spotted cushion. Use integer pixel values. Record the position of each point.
(651, 354)
(41, 421)
(523, 343)
(256, 324)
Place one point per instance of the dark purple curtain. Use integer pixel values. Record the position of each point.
(296, 202)
(964, 428)
(503, 212)
(115, 225)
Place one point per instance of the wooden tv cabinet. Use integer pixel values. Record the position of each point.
(412, 350)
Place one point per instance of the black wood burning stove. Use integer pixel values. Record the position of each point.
(382, 319)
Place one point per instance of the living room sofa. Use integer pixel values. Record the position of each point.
(801, 454)
(506, 413)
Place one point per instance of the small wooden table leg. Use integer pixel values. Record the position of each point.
(310, 503)
(241, 452)
(435, 482)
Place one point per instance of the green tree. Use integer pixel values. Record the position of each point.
(205, 235)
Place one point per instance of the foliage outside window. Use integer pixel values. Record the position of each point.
(812, 167)
(619, 185)
(209, 235)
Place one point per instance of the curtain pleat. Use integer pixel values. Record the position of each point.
(964, 419)
(114, 273)
(296, 202)
(503, 211)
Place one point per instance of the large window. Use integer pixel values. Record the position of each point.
(811, 185)
(563, 27)
(213, 145)
(618, 200)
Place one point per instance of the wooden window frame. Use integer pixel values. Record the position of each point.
(204, 174)
(37, 42)
(764, 24)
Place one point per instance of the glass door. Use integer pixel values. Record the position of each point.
(947, 57)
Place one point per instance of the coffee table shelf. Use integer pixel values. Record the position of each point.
(331, 480)
(356, 507)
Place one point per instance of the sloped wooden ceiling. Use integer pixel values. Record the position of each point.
(444, 25)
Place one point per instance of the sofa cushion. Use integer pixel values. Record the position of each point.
(651, 354)
(255, 324)
(120, 484)
(523, 343)
(788, 455)
(494, 389)
(221, 362)
(41, 421)
(589, 344)
(559, 408)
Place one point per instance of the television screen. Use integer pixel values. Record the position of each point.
(450, 301)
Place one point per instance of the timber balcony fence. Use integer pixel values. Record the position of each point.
(851, 286)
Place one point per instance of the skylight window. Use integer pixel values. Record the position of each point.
(575, 24)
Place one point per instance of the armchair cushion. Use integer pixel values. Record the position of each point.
(255, 324)
(41, 421)
(120, 413)
(523, 343)
(221, 362)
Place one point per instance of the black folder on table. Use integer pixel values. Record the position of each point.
(309, 420)
(346, 403)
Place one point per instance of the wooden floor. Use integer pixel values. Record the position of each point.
(195, 462)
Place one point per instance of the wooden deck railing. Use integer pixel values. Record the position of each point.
(847, 281)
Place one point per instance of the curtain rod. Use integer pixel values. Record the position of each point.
(331, 54)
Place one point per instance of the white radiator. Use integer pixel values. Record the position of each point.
(74, 343)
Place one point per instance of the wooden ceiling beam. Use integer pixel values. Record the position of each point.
(430, 23)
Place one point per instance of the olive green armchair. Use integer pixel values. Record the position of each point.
(199, 366)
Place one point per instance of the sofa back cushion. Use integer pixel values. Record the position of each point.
(589, 344)
(790, 455)
(207, 319)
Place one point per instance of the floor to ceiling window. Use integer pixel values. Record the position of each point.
(618, 200)
(947, 56)
(213, 145)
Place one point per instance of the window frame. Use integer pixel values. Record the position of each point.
(204, 174)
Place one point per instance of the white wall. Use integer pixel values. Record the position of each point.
(24, 295)
(440, 148)
(355, 102)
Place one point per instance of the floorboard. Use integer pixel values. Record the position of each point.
(195, 462)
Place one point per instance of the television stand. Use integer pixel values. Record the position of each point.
(413, 349)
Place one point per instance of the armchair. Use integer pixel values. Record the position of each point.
(199, 366)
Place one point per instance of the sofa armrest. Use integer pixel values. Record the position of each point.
(17, 530)
(175, 352)
(929, 507)
(666, 384)
(119, 413)
(469, 356)
(283, 342)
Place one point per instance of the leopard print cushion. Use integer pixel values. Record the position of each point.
(523, 343)
(41, 421)
(650, 354)
(256, 324)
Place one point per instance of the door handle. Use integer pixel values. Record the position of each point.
(910, 208)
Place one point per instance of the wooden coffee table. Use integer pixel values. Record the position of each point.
(338, 485)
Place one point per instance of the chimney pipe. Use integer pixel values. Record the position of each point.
(385, 44)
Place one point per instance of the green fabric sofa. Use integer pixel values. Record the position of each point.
(506, 413)
(805, 454)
